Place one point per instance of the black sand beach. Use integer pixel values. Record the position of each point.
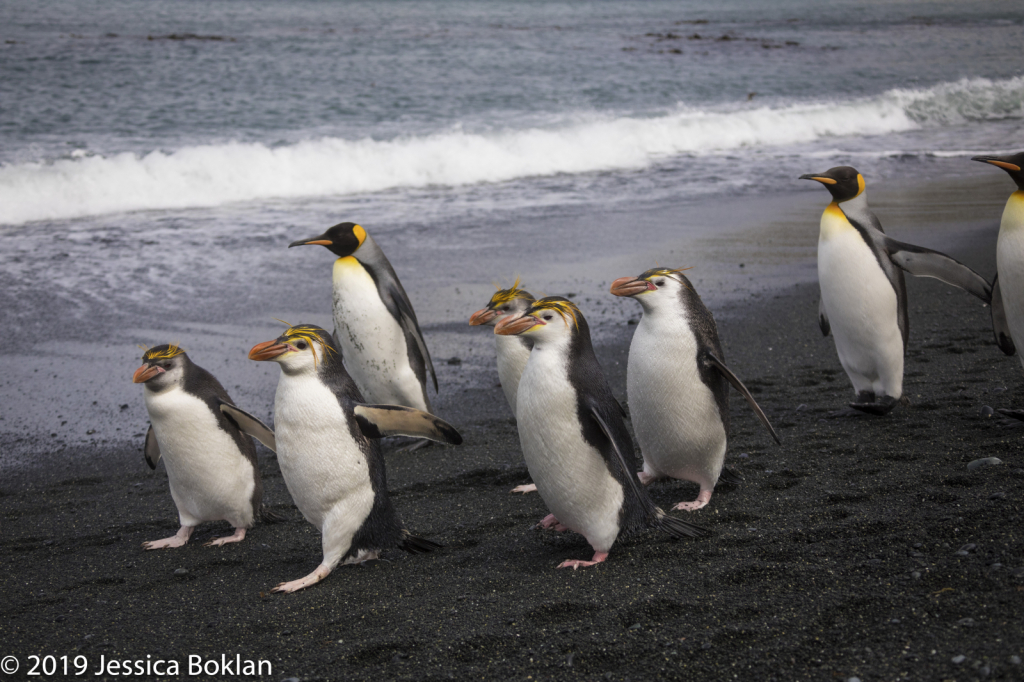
(859, 548)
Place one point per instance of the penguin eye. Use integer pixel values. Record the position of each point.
(301, 345)
(548, 317)
(660, 283)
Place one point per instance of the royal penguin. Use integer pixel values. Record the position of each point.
(205, 443)
(328, 452)
(1008, 285)
(374, 323)
(512, 351)
(573, 436)
(677, 383)
(863, 291)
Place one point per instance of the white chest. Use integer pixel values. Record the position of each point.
(322, 464)
(571, 476)
(372, 342)
(512, 357)
(1010, 266)
(209, 477)
(675, 416)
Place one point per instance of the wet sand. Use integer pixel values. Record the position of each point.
(860, 547)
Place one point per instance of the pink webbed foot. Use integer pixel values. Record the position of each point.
(176, 540)
(701, 501)
(550, 522)
(576, 563)
(218, 542)
(313, 578)
(528, 488)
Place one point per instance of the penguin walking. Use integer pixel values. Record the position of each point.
(375, 325)
(1008, 285)
(512, 351)
(863, 291)
(205, 443)
(329, 456)
(678, 384)
(573, 436)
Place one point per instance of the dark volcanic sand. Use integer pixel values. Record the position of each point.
(839, 556)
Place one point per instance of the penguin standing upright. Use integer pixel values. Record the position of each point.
(573, 436)
(512, 351)
(202, 438)
(328, 454)
(375, 324)
(678, 384)
(1008, 285)
(864, 294)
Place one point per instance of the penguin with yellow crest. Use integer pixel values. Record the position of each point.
(863, 291)
(574, 436)
(204, 441)
(374, 323)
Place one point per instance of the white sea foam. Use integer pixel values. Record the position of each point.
(203, 176)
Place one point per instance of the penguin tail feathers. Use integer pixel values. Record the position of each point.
(267, 516)
(417, 545)
(730, 475)
(679, 528)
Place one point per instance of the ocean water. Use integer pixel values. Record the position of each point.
(156, 158)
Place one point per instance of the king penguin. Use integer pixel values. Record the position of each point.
(374, 322)
(329, 456)
(863, 291)
(573, 436)
(512, 351)
(1008, 285)
(202, 438)
(678, 384)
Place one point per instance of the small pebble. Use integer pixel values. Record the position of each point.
(966, 622)
(454, 361)
(987, 411)
(1014, 660)
(997, 496)
(852, 679)
(895, 621)
(983, 462)
(802, 407)
(957, 660)
(984, 671)
(705, 645)
(742, 455)
(634, 626)
(180, 571)
(969, 547)
(916, 575)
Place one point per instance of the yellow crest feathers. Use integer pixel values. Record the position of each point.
(161, 353)
(566, 309)
(503, 296)
(309, 334)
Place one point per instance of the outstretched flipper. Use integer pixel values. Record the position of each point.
(378, 421)
(669, 524)
(823, 319)
(738, 385)
(249, 424)
(1000, 327)
(922, 262)
(152, 448)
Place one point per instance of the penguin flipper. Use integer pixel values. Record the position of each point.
(407, 318)
(1000, 327)
(152, 448)
(378, 421)
(922, 262)
(823, 319)
(738, 385)
(628, 470)
(249, 424)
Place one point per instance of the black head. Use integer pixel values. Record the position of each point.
(1012, 164)
(842, 182)
(342, 240)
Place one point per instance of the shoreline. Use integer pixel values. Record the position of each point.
(860, 547)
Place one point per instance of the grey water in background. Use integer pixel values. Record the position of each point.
(157, 158)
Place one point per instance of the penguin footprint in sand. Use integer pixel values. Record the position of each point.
(678, 383)
(573, 436)
(204, 441)
(328, 452)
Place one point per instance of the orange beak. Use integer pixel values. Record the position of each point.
(631, 286)
(510, 326)
(146, 372)
(268, 350)
(485, 316)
